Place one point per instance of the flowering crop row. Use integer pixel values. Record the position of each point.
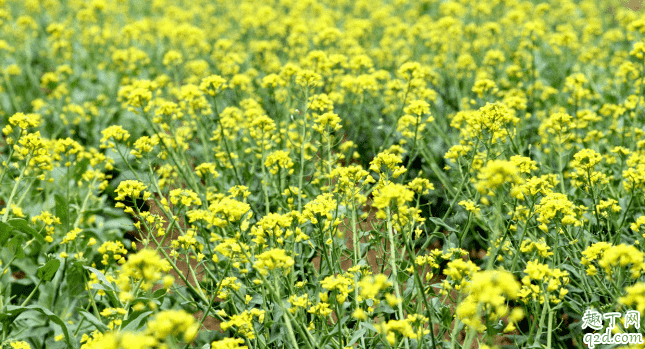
(320, 174)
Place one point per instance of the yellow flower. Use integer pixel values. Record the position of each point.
(343, 285)
(20, 345)
(277, 160)
(624, 255)
(417, 107)
(244, 322)
(392, 300)
(186, 196)
(213, 84)
(392, 193)
(143, 145)
(327, 119)
(634, 296)
(308, 78)
(273, 259)
(131, 188)
(229, 343)
(146, 265)
(554, 204)
(115, 132)
(25, 121)
(488, 291)
(359, 314)
(484, 85)
(173, 57)
(173, 322)
(371, 285)
(470, 206)
(496, 173)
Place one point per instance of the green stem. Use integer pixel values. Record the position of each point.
(87, 197)
(7, 267)
(15, 189)
(89, 291)
(302, 150)
(127, 304)
(455, 329)
(397, 292)
(357, 255)
(413, 153)
(12, 93)
(550, 327)
(201, 321)
(470, 336)
(560, 167)
(421, 292)
(287, 321)
(330, 159)
(620, 227)
(265, 182)
(541, 324)
(399, 114)
(448, 211)
(32, 293)
(192, 182)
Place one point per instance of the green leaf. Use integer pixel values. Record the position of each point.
(47, 271)
(159, 293)
(438, 221)
(105, 286)
(100, 287)
(134, 322)
(14, 311)
(5, 233)
(61, 210)
(368, 326)
(75, 274)
(93, 320)
(101, 277)
(15, 246)
(119, 224)
(80, 168)
(575, 272)
(22, 226)
(358, 334)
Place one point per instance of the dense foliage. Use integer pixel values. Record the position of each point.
(320, 174)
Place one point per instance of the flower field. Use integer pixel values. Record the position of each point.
(322, 174)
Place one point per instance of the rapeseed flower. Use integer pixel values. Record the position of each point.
(229, 343)
(131, 188)
(25, 121)
(556, 204)
(277, 160)
(20, 345)
(341, 284)
(392, 193)
(272, 259)
(145, 266)
(115, 132)
(634, 296)
(244, 322)
(370, 286)
(623, 255)
(173, 323)
(548, 280)
(495, 174)
(487, 292)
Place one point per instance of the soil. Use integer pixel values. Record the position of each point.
(373, 259)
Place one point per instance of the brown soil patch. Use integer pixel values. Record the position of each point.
(373, 259)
